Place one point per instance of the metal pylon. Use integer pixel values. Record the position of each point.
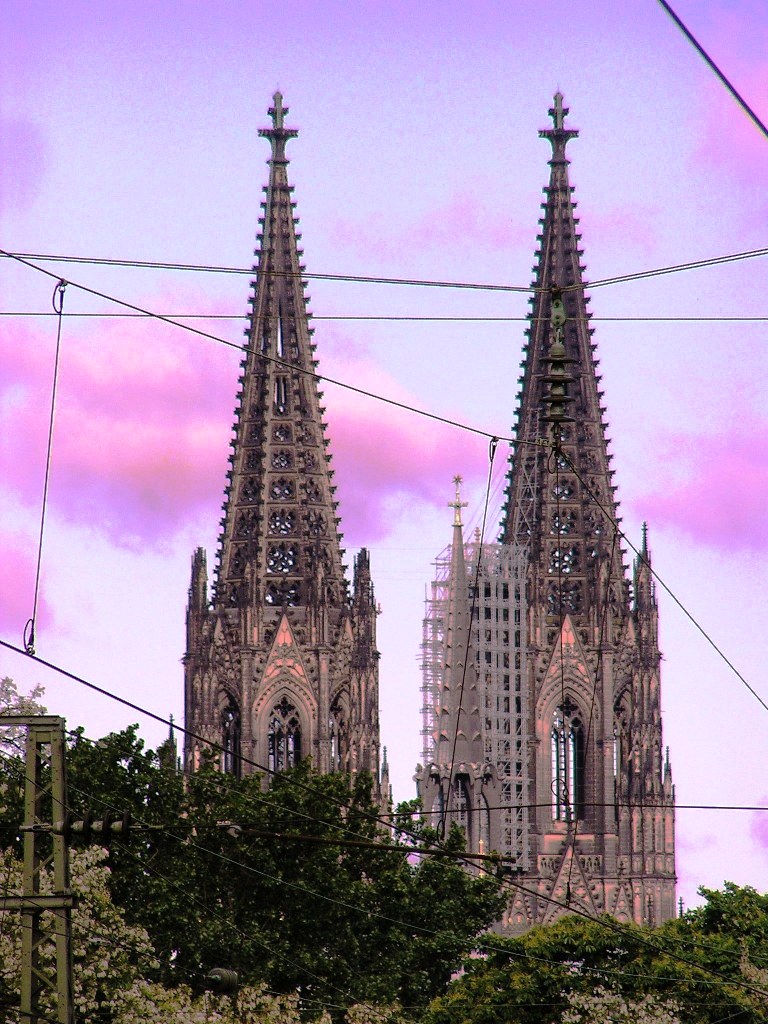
(46, 918)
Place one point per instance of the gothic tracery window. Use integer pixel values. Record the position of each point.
(281, 395)
(282, 558)
(462, 810)
(281, 522)
(281, 488)
(284, 737)
(281, 459)
(568, 763)
(230, 739)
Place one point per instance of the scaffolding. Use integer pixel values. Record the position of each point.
(498, 639)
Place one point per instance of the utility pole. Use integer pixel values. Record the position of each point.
(45, 847)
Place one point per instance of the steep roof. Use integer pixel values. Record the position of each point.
(560, 506)
(279, 529)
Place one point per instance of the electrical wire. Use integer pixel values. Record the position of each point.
(711, 64)
(57, 302)
(274, 359)
(209, 268)
(148, 867)
(600, 920)
(251, 271)
(718, 650)
(401, 318)
(366, 911)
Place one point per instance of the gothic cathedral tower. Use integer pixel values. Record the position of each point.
(282, 663)
(601, 826)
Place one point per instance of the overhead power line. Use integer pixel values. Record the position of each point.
(711, 64)
(402, 281)
(402, 318)
(274, 359)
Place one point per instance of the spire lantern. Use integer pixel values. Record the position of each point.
(278, 134)
(558, 135)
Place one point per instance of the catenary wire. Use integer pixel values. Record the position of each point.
(43, 271)
(508, 883)
(209, 268)
(718, 650)
(713, 66)
(195, 899)
(57, 302)
(274, 359)
(400, 318)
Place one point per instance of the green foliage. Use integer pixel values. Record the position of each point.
(582, 970)
(296, 886)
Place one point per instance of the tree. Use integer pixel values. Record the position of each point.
(703, 967)
(113, 959)
(296, 886)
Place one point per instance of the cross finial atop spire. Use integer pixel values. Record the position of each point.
(557, 112)
(278, 134)
(277, 111)
(558, 135)
(457, 504)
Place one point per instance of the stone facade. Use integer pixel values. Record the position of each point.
(597, 793)
(281, 662)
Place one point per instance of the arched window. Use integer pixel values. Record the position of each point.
(284, 737)
(484, 827)
(568, 763)
(337, 727)
(462, 809)
(230, 739)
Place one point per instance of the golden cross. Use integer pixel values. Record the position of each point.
(457, 504)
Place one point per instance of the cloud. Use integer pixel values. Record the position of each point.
(720, 499)
(463, 218)
(142, 429)
(141, 425)
(758, 828)
(389, 459)
(613, 226)
(23, 165)
(18, 554)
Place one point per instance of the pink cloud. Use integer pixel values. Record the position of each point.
(721, 503)
(731, 142)
(23, 165)
(388, 458)
(758, 828)
(18, 558)
(616, 225)
(462, 218)
(143, 424)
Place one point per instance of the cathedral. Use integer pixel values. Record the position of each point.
(541, 709)
(541, 687)
(281, 662)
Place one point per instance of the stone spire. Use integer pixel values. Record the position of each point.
(279, 542)
(459, 737)
(554, 500)
(592, 657)
(284, 664)
(458, 786)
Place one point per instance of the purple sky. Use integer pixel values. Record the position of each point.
(130, 131)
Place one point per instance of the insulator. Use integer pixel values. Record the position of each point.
(222, 980)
